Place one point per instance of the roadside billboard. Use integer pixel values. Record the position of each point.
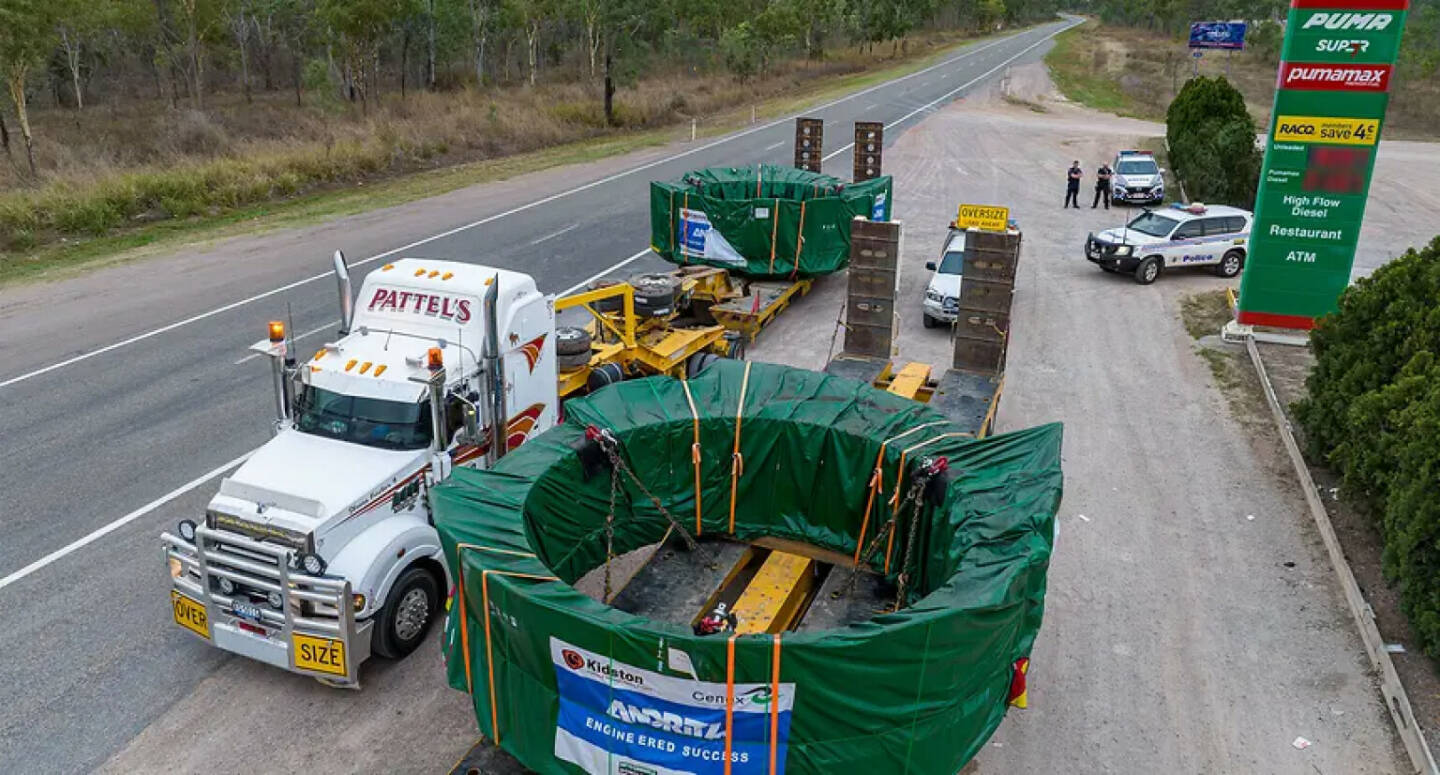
(1229, 35)
(1331, 93)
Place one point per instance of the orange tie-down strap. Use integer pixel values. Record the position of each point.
(694, 451)
(877, 481)
(774, 702)
(737, 460)
(485, 603)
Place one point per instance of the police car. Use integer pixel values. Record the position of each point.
(1175, 236)
(1137, 178)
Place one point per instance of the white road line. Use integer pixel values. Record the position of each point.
(602, 273)
(776, 145)
(121, 522)
(870, 107)
(488, 219)
(951, 93)
(554, 234)
(295, 338)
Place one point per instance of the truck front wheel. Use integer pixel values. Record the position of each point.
(407, 614)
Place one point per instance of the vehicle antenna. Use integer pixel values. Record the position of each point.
(388, 333)
(290, 330)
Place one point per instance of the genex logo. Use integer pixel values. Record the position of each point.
(760, 696)
(1334, 20)
(572, 660)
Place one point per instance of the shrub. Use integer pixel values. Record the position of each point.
(1212, 142)
(1373, 412)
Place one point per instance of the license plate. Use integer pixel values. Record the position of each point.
(248, 612)
(323, 655)
(190, 614)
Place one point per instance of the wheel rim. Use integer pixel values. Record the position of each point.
(1150, 271)
(1232, 264)
(411, 614)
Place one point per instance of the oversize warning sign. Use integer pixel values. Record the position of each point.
(1334, 131)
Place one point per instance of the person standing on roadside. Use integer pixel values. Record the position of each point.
(1072, 185)
(1102, 186)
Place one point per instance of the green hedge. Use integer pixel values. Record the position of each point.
(1373, 412)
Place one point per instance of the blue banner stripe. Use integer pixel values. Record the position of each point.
(653, 746)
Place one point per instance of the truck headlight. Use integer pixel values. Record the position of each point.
(187, 529)
(933, 295)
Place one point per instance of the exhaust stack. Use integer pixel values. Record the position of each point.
(495, 374)
(347, 299)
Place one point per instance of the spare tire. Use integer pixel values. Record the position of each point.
(655, 294)
(611, 304)
(570, 340)
(572, 361)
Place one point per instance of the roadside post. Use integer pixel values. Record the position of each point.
(1332, 90)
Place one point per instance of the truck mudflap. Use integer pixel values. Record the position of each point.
(312, 632)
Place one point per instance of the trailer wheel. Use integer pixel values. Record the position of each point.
(409, 610)
(699, 362)
(570, 340)
(736, 348)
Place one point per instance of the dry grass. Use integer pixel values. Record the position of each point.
(1135, 72)
(119, 167)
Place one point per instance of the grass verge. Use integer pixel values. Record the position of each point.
(1080, 65)
(115, 238)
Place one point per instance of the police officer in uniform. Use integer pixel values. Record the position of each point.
(1072, 185)
(1102, 186)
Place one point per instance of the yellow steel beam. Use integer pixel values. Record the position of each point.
(910, 382)
(586, 298)
(776, 595)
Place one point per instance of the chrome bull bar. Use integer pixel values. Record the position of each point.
(313, 632)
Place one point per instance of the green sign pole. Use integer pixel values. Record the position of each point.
(1330, 100)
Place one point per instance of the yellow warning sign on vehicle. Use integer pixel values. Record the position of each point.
(190, 614)
(323, 655)
(982, 217)
(1330, 130)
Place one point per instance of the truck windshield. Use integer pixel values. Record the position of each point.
(951, 263)
(1137, 167)
(1154, 225)
(373, 422)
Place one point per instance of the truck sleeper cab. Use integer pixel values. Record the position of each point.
(319, 551)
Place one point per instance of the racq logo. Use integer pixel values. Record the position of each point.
(1337, 20)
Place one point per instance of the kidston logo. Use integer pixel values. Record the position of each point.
(572, 660)
(1335, 20)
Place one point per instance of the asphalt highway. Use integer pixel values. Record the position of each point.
(126, 393)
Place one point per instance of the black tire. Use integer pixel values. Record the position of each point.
(1231, 263)
(655, 294)
(1148, 270)
(603, 375)
(415, 595)
(736, 347)
(612, 304)
(929, 322)
(699, 362)
(573, 361)
(570, 340)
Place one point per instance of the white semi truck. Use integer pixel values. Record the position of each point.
(319, 550)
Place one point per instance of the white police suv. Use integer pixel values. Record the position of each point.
(1137, 178)
(1175, 236)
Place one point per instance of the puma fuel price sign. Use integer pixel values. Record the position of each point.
(1332, 91)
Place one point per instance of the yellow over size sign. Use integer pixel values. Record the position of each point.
(323, 655)
(1329, 130)
(982, 217)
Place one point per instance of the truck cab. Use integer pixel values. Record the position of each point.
(319, 550)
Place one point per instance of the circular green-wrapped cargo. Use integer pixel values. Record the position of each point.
(567, 684)
(765, 221)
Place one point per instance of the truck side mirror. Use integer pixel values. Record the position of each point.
(930, 265)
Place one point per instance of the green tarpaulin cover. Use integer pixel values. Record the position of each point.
(764, 221)
(569, 685)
